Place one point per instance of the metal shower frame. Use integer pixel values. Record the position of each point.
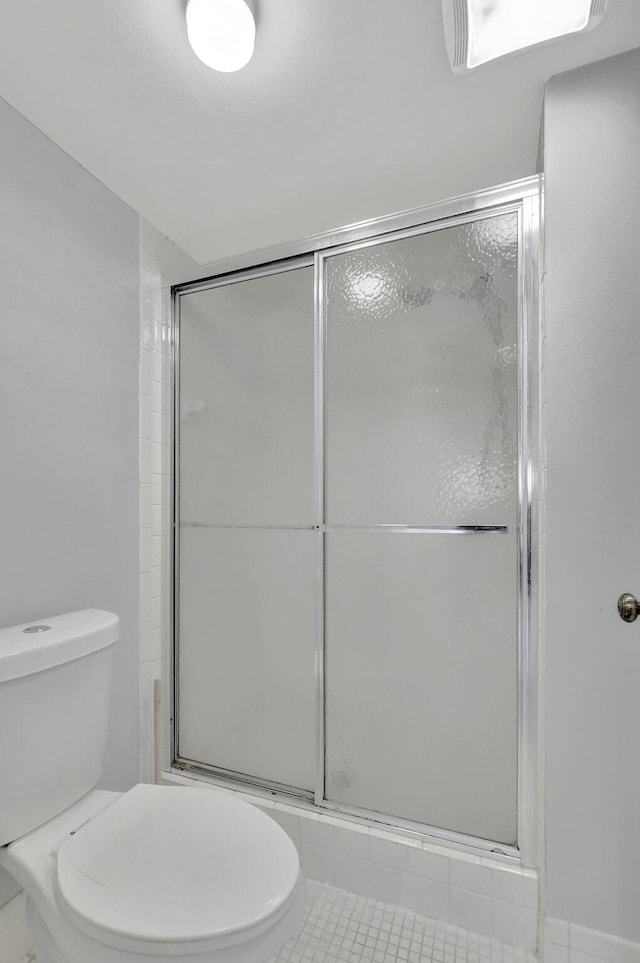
(523, 197)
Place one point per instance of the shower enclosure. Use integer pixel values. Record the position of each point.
(354, 429)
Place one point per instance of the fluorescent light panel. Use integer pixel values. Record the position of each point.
(478, 31)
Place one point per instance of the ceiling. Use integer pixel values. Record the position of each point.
(347, 111)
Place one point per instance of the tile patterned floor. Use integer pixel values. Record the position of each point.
(341, 927)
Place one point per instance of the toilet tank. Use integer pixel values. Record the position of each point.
(55, 677)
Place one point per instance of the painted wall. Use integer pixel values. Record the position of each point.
(69, 429)
(591, 420)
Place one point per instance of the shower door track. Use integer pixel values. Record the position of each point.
(524, 198)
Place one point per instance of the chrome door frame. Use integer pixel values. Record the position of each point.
(524, 197)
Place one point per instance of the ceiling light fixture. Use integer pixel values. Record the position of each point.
(478, 31)
(222, 33)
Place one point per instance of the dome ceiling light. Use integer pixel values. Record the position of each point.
(478, 31)
(222, 33)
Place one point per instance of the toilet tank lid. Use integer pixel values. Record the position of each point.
(46, 643)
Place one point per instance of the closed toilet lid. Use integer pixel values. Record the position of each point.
(166, 864)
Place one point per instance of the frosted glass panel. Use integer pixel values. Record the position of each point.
(422, 378)
(246, 668)
(420, 405)
(421, 678)
(246, 382)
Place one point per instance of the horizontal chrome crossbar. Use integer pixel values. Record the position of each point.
(393, 529)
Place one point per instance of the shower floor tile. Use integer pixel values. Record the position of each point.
(341, 927)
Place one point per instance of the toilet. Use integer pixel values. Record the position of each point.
(158, 874)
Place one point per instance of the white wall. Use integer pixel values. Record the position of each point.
(591, 423)
(69, 313)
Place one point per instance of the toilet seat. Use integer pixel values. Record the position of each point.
(171, 871)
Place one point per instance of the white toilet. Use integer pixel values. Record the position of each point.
(155, 874)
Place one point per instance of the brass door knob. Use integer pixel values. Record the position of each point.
(628, 607)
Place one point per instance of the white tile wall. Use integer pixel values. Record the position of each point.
(427, 896)
(158, 256)
(569, 943)
(471, 877)
(512, 924)
(471, 910)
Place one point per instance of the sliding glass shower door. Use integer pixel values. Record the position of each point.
(421, 506)
(349, 544)
(247, 693)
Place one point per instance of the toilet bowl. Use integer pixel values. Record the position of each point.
(158, 873)
(155, 874)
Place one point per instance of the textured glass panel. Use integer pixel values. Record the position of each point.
(246, 385)
(246, 667)
(422, 378)
(421, 678)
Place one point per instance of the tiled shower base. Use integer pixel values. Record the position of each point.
(341, 927)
